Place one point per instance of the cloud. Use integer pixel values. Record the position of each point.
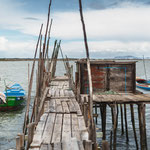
(111, 24)
(124, 28)
(31, 18)
(3, 43)
(106, 48)
(16, 49)
(14, 17)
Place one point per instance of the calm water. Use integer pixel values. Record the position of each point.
(11, 122)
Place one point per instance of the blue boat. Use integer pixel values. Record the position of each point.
(143, 84)
(15, 96)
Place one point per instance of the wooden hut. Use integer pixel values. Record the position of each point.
(106, 75)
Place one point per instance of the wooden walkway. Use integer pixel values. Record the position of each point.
(122, 98)
(62, 126)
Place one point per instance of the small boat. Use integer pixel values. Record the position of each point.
(143, 84)
(12, 98)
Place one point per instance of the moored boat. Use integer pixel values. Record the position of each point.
(15, 96)
(143, 84)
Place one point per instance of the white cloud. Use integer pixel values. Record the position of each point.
(3, 43)
(115, 29)
(130, 23)
(16, 49)
(135, 48)
(13, 18)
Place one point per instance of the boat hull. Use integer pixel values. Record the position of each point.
(12, 103)
(143, 84)
(143, 87)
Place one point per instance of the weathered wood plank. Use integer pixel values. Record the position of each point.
(56, 138)
(66, 132)
(71, 107)
(84, 134)
(37, 138)
(52, 106)
(72, 144)
(57, 146)
(46, 147)
(47, 135)
(59, 108)
(75, 127)
(77, 107)
(62, 94)
(65, 107)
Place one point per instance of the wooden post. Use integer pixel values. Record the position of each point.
(18, 146)
(85, 112)
(122, 124)
(26, 119)
(114, 126)
(103, 118)
(105, 145)
(92, 131)
(117, 115)
(126, 123)
(21, 137)
(31, 127)
(111, 140)
(133, 125)
(96, 112)
(87, 145)
(142, 126)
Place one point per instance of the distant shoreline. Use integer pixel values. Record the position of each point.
(60, 59)
(31, 59)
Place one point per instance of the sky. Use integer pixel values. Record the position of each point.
(114, 27)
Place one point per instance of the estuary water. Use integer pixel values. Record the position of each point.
(11, 123)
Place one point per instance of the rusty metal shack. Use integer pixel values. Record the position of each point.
(106, 75)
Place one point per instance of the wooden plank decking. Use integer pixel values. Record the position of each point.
(62, 126)
(122, 98)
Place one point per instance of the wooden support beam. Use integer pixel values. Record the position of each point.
(92, 130)
(105, 145)
(31, 127)
(121, 115)
(103, 119)
(126, 123)
(133, 125)
(142, 126)
(114, 127)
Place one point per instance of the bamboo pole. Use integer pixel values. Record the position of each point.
(47, 26)
(47, 47)
(92, 126)
(26, 119)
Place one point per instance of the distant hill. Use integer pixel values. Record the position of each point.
(126, 57)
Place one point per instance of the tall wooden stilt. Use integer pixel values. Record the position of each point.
(126, 123)
(114, 116)
(103, 117)
(122, 124)
(142, 126)
(117, 115)
(133, 125)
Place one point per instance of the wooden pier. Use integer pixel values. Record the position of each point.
(62, 125)
(62, 115)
